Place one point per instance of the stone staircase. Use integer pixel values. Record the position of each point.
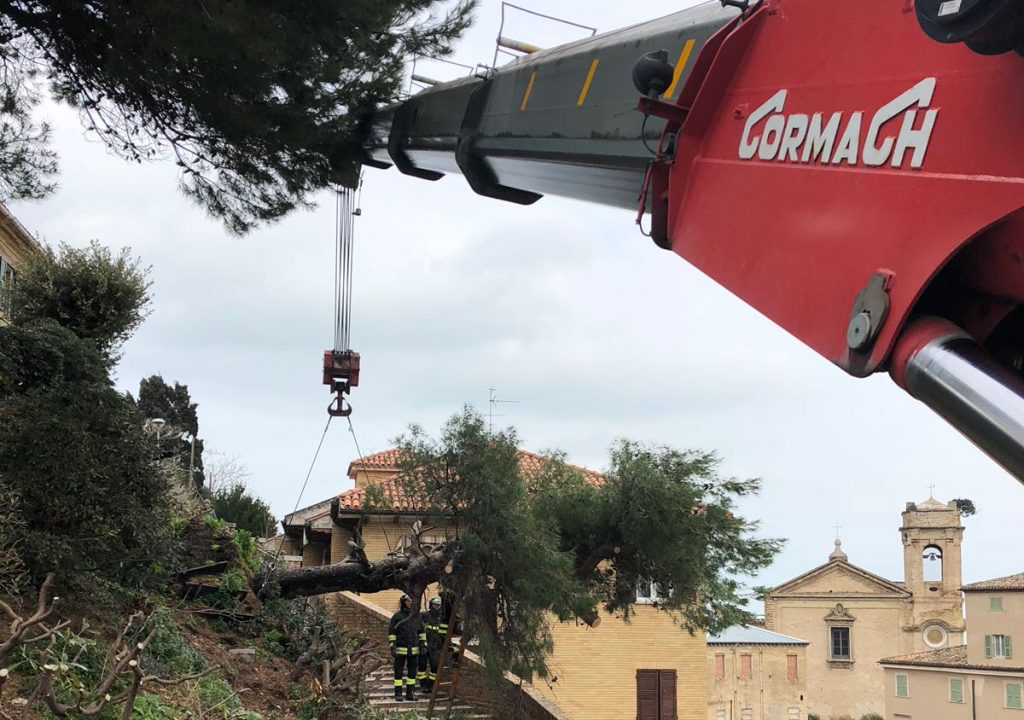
(379, 690)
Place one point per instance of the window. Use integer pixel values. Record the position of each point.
(747, 714)
(956, 690)
(902, 685)
(932, 561)
(649, 593)
(428, 542)
(995, 604)
(6, 285)
(720, 715)
(719, 666)
(999, 646)
(839, 647)
(746, 666)
(1013, 696)
(656, 695)
(935, 636)
(793, 714)
(791, 668)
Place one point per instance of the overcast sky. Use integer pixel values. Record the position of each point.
(562, 306)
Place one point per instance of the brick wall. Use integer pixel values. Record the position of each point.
(512, 700)
(594, 668)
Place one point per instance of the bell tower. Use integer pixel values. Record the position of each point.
(932, 538)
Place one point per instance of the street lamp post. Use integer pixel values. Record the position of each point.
(158, 425)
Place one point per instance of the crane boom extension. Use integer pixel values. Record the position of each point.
(853, 179)
(561, 121)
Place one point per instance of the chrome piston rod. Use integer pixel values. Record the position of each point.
(940, 365)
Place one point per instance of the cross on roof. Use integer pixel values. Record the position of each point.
(931, 490)
(837, 530)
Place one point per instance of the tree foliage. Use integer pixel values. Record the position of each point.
(259, 103)
(72, 449)
(527, 548)
(965, 507)
(173, 404)
(237, 505)
(91, 502)
(98, 295)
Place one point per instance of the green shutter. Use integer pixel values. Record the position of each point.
(901, 686)
(956, 690)
(988, 646)
(995, 604)
(1013, 696)
(1007, 647)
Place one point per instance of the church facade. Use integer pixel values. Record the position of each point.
(852, 618)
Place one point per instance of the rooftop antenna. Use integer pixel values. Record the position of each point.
(493, 400)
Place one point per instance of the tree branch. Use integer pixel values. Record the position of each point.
(400, 572)
(595, 558)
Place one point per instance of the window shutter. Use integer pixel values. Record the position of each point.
(647, 695)
(956, 690)
(719, 666)
(1013, 696)
(901, 686)
(746, 667)
(667, 694)
(1007, 647)
(791, 668)
(988, 646)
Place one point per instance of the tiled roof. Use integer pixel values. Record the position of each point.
(951, 657)
(751, 635)
(1011, 583)
(395, 496)
(532, 463)
(384, 460)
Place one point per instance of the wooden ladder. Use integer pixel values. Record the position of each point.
(447, 682)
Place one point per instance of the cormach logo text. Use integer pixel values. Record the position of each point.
(843, 138)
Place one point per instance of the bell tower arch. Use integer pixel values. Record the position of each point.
(932, 535)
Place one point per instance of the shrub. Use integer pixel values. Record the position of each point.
(248, 552)
(248, 512)
(152, 707)
(871, 716)
(92, 500)
(169, 652)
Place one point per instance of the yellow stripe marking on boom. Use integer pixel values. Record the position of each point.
(529, 89)
(684, 57)
(586, 83)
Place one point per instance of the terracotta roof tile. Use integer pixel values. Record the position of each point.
(1011, 583)
(395, 495)
(383, 460)
(531, 463)
(951, 657)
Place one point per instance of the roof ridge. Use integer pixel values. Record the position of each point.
(398, 500)
(1014, 581)
(836, 563)
(733, 635)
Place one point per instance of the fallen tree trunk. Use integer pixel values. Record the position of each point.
(408, 573)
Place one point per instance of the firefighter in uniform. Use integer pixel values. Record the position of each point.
(404, 640)
(436, 626)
